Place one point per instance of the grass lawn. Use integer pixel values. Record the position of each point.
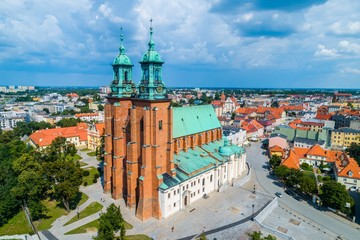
(89, 227)
(137, 237)
(89, 210)
(94, 225)
(91, 154)
(89, 179)
(17, 225)
(76, 157)
(56, 210)
(85, 150)
(83, 164)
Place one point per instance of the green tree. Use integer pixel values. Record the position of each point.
(46, 110)
(275, 161)
(65, 175)
(292, 177)
(308, 183)
(24, 128)
(334, 195)
(306, 166)
(11, 148)
(100, 107)
(111, 222)
(68, 122)
(31, 184)
(257, 235)
(217, 96)
(281, 171)
(354, 151)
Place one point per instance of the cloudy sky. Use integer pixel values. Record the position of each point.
(215, 43)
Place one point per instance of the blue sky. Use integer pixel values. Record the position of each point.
(215, 43)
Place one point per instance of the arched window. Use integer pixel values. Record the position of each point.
(156, 74)
(126, 76)
(211, 178)
(203, 182)
(146, 74)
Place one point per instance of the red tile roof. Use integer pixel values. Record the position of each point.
(45, 137)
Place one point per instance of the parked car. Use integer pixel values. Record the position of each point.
(289, 192)
(278, 194)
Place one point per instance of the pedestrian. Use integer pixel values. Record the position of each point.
(172, 229)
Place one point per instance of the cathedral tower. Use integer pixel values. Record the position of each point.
(138, 134)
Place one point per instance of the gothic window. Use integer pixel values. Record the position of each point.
(160, 125)
(141, 125)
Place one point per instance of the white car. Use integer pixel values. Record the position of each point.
(278, 194)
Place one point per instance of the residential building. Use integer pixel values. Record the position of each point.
(346, 169)
(158, 158)
(343, 137)
(94, 135)
(235, 135)
(88, 117)
(278, 139)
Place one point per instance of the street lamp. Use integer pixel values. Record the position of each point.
(252, 216)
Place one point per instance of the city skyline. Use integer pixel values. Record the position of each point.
(312, 44)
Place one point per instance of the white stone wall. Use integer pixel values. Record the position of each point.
(172, 200)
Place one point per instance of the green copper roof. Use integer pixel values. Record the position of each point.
(194, 119)
(196, 161)
(193, 160)
(151, 55)
(122, 59)
(226, 149)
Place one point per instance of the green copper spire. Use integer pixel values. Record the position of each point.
(122, 84)
(151, 42)
(122, 48)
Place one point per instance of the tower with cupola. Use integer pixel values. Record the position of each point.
(151, 85)
(138, 133)
(122, 84)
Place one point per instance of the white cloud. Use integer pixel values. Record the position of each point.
(346, 28)
(322, 51)
(349, 47)
(106, 11)
(247, 17)
(351, 70)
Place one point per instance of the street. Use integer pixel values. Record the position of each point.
(269, 184)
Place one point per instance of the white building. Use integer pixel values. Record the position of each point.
(177, 195)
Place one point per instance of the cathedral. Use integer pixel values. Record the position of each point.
(161, 159)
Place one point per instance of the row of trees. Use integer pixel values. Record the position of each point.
(331, 193)
(29, 176)
(305, 181)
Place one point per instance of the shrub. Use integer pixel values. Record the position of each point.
(96, 175)
(85, 184)
(86, 173)
(326, 178)
(94, 180)
(319, 178)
